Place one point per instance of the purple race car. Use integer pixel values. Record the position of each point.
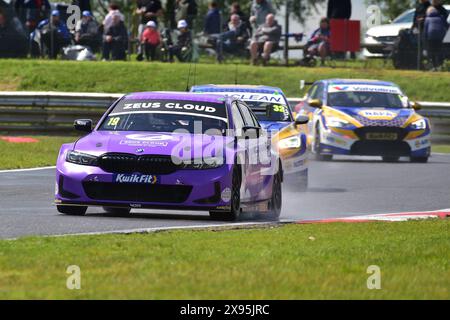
(170, 150)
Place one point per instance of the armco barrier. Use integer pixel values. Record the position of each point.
(54, 112)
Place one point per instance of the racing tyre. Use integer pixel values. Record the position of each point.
(318, 156)
(419, 159)
(117, 211)
(235, 203)
(276, 200)
(72, 210)
(390, 159)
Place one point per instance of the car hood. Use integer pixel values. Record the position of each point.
(141, 143)
(387, 30)
(376, 116)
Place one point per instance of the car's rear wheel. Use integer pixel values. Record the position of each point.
(276, 199)
(72, 210)
(235, 202)
(117, 211)
(419, 159)
(317, 148)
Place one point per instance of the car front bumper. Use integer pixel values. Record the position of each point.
(207, 189)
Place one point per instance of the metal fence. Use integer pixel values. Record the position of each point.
(54, 112)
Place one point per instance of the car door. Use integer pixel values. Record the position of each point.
(254, 165)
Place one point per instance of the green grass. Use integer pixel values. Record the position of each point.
(325, 261)
(134, 76)
(440, 148)
(29, 155)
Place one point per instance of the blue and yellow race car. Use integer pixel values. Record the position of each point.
(364, 117)
(271, 107)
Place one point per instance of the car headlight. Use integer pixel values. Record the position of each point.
(290, 143)
(419, 124)
(337, 122)
(81, 158)
(205, 163)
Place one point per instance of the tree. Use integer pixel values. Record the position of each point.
(393, 8)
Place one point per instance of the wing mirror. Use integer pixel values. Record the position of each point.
(416, 106)
(84, 125)
(315, 103)
(301, 119)
(247, 130)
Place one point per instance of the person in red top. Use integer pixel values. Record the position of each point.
(150, 40)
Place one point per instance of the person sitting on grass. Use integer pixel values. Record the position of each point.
(150, 40)
(54, 34)
(115, 41)
(87, 31)
(319, 42)
(183, 48)
(266, 40)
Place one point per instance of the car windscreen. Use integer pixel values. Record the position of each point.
(167, 116)
(268, 111)
(362, 99)
(406, 17)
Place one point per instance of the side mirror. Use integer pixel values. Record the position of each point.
(84, 125)
(301, 119)
(248, 129)
(416, 106)
(315, 103)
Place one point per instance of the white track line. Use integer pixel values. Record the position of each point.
(225, 226)
(28, 169)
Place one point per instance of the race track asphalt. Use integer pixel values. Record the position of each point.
(344, 187)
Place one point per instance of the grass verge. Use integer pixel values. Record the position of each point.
(441, 148)
(275, 263)
(30, 155)
(130, 76)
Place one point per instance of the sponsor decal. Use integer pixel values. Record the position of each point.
(170, 106)
(135, 178)
(364, 88)
(275, 98)
(149, 137)
(378, 114)
(226, 195)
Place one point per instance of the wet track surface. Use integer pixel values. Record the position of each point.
(344, 187)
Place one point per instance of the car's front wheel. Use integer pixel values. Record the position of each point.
(72, 210)
(235, 201)
(276, 199)
(317, 148)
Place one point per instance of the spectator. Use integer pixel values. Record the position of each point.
(186, 10)
(84, 5)
(213, 19)
(339, 9)
(13, 39)
(259, 11)
(265, 39)
(183, 48)
(420, 14)
(437, 4)
(435, 29)
(318, 43)
(87, 31)
(31, 12)
(150, 40)
(54, 34)
(233, 39)
(115, 39)
(236, 9)
(148, 10)
(113, 9)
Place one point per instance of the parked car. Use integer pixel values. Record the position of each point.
(379, 39)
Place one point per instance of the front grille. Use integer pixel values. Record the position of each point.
(381, 148)
(362, 132)
(388, 39)
(129, 163)
(137, 192)
(397, 122)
